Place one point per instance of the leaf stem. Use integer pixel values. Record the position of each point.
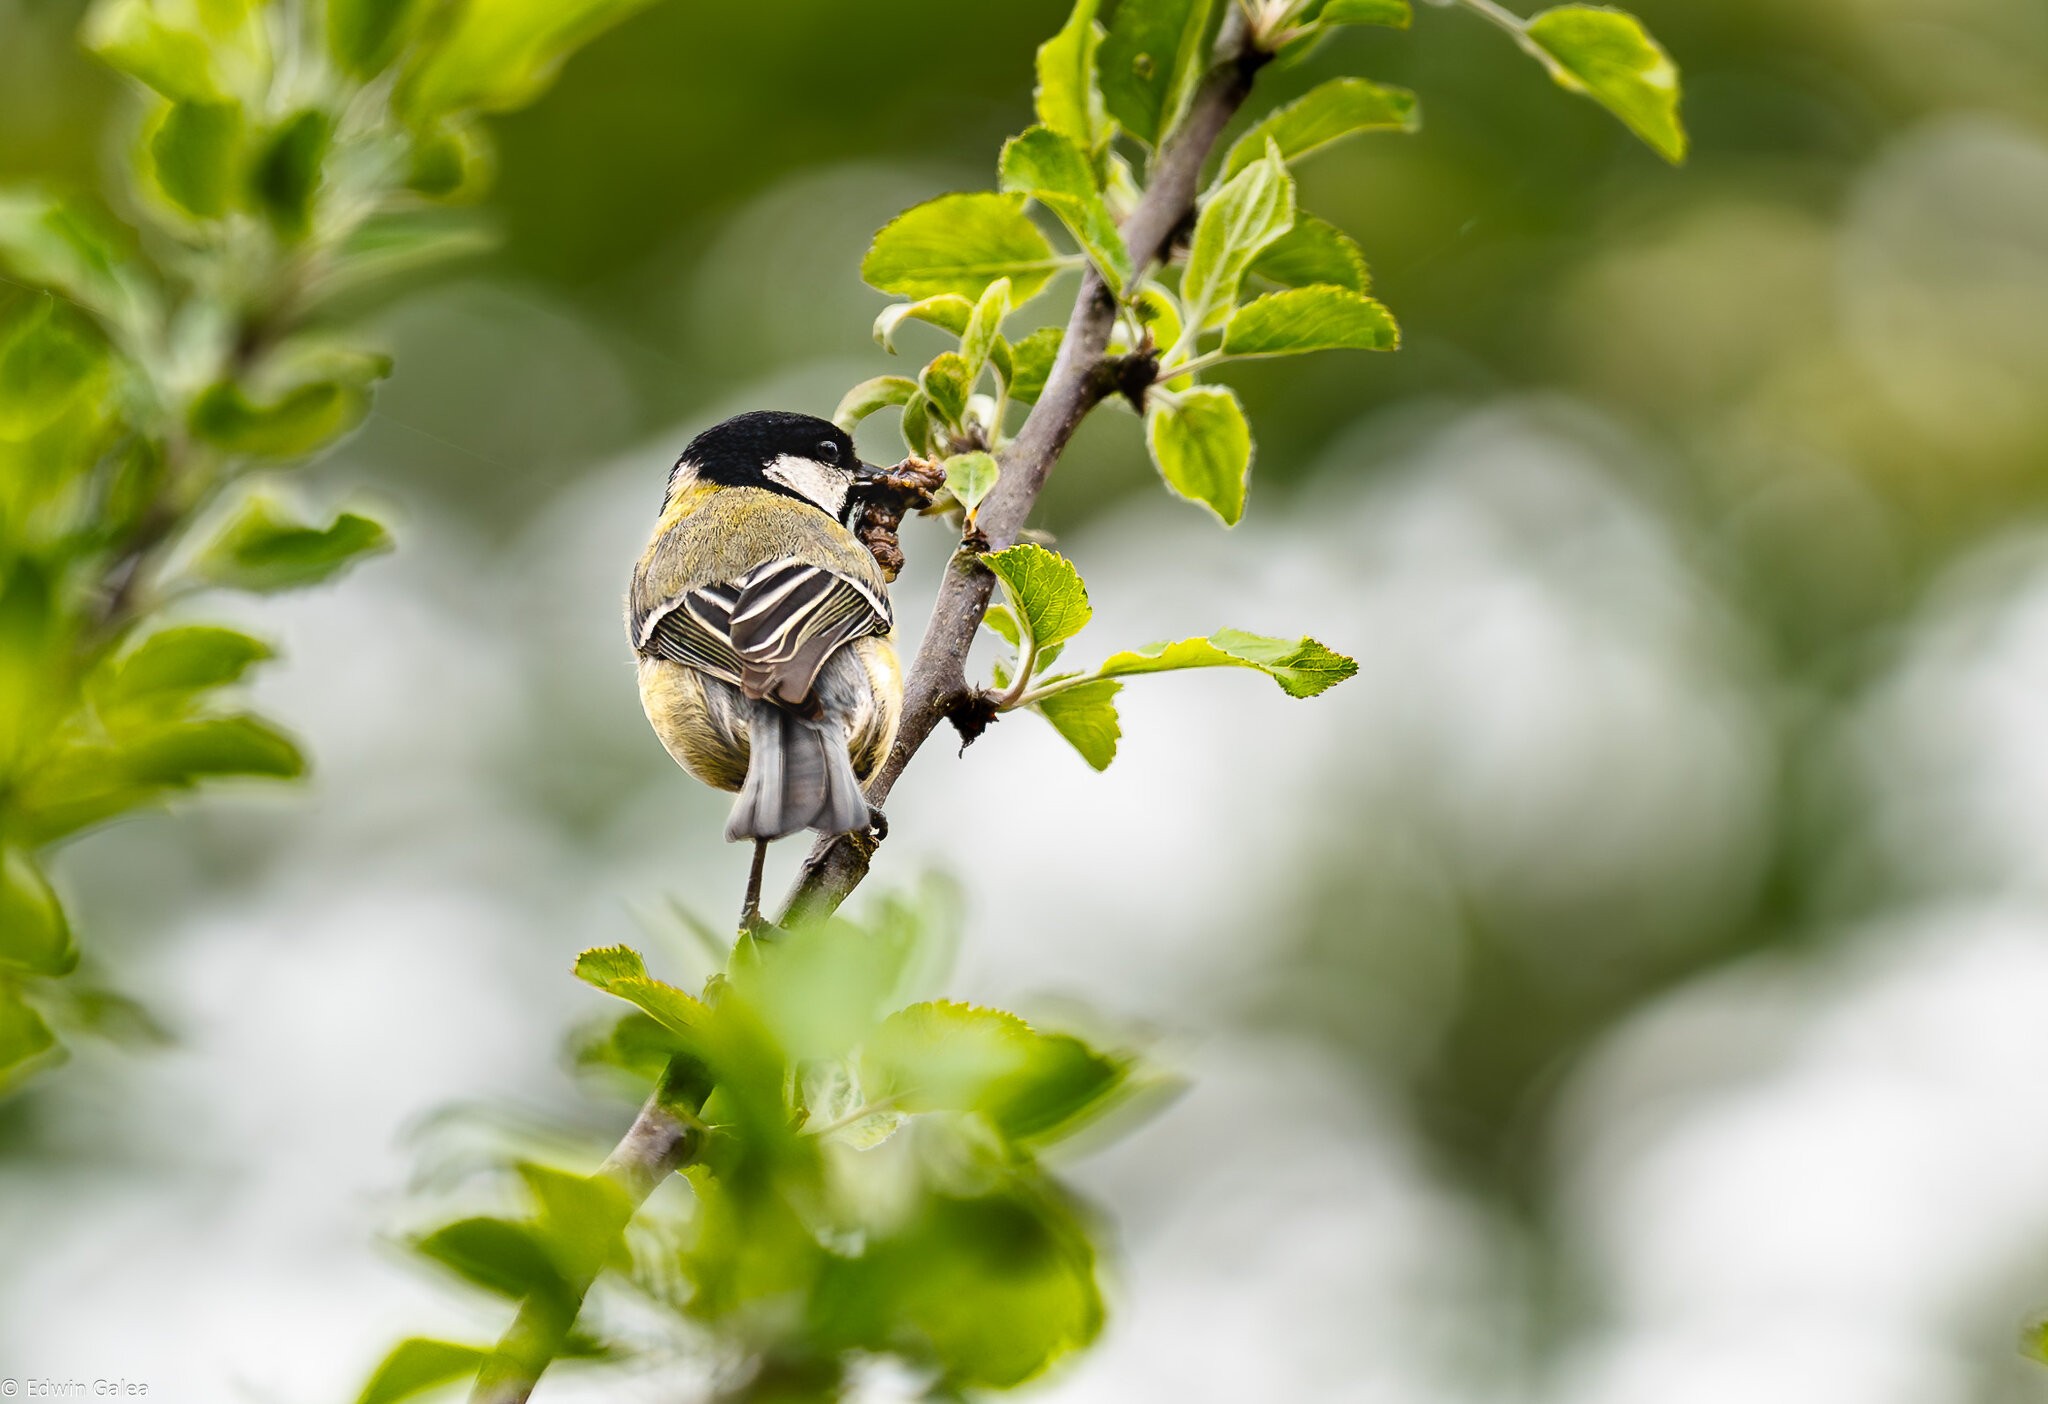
(1515, 25)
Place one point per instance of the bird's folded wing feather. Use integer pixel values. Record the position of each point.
(769, 632)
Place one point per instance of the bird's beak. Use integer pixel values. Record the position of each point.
(868, 475)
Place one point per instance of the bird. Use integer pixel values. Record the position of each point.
(763, 632)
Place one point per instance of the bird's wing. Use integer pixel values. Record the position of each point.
(769, 632)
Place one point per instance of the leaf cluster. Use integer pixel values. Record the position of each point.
(289, 162)
(869, 1180)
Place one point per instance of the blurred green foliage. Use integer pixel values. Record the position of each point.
(282, 155)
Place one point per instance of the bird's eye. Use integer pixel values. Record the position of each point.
(828, 451)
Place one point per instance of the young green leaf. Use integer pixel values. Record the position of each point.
(872, 395)
(49, 360)
(452, 161)
(960, 244)
(1086, 716)
(1314, 251)
(365, 35)
(210, 52)
(496, 55)
(1395, 14)
(34, 936)
(184, 754)
(984, 328)
(970, 476)
(1052, 170)
(1309, 319)
(24, 1038)
(1303, 667)
(497, 1255)
(286, 174)
(57, 244)
(1203, 448)
(1609, 57)
(619, 971)
(264, 548)
(1044, 590)
(947, 311)
(1251, 210)
(916, 426)
(1339, 108)
(1152, 60)
(1068, 98)
(418, 1365)
(195, 154)
(388, 247)
(1031, 361)
(171, 666)
(304, 407)
(1003, 624)
(943, 1056)
(947, 385)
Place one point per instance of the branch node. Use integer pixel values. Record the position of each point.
(972, 713)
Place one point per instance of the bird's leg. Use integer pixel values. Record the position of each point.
(878, 824)
(751, 920)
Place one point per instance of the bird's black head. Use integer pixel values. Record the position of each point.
(800, 456)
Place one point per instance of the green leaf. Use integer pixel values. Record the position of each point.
(970, 476)
(871, 395)
(34, 934)
(1052, 170)
(190, 751)
(917, 425)
(1303, 667)
(1044, 590)
(418, 1365)
(188, 50)
(986, 1292)
(1153, 59)
(1251, 210)
(171, 666)
(195, 155)
(1314, 251)
(582, 1217)
(1066, 1084)
(1086, 716)
(947, 311)
(1339, 108)
(620, 972)
(322, 400)
(1395, 14)
(25, 1039)
(943, 1056)
(1068, 99)
(947, 385)
(263, 548)
(57, 244)
(497, 1255)
(47, 363)
(1031, 361)
(501, 54)
(365, 35)
(1609, 57)
(452, 160)
(286, 174)
(1203, 448)
(960, 244)
(1309, 319)
(984, 328)
(1003, 623)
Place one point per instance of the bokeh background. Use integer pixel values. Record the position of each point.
(1631, 989)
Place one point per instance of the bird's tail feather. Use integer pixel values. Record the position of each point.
(799, 776)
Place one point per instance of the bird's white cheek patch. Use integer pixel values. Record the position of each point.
(821, 483)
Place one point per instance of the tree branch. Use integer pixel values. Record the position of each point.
(660, 1142)
(1082, 377)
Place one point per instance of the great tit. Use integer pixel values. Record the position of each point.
(762, 626)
